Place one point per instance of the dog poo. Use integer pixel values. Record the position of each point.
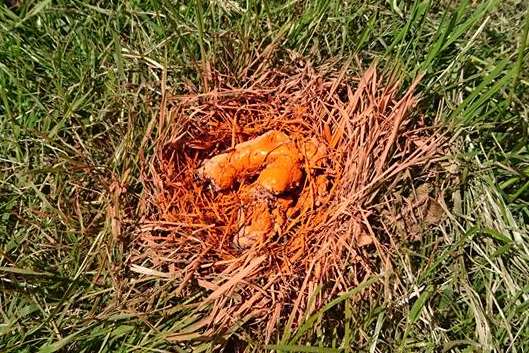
(279, 165)
(274, 154)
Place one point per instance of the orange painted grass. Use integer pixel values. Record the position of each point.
(330, 235)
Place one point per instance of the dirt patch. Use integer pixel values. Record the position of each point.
(264, 196)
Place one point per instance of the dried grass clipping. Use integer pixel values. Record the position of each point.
(321, 230)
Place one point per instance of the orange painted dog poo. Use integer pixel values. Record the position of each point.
(273, 153)
(278, 162)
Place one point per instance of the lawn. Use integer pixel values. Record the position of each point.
(81, 84)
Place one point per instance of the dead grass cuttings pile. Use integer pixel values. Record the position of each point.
(260, 198)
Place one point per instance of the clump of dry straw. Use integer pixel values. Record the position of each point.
(332, 242)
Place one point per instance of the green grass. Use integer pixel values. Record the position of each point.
(80, 83)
